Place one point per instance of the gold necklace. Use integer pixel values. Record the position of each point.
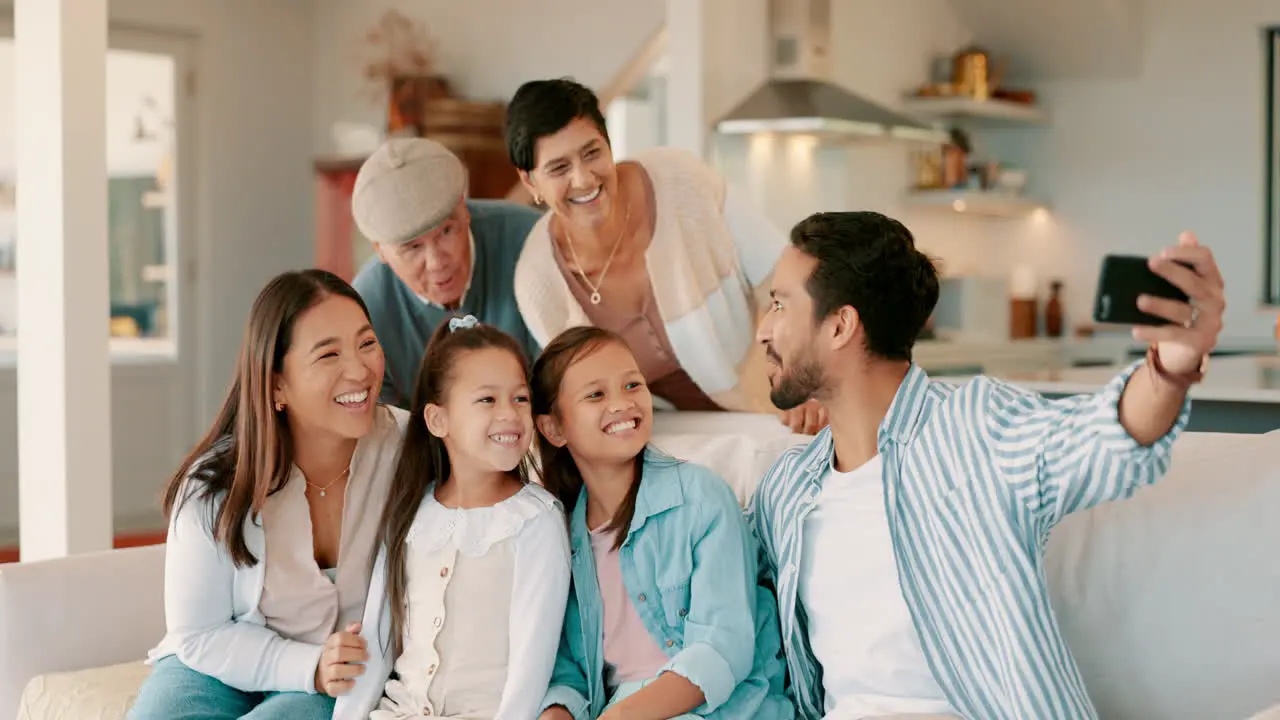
(325, 489)
(577, 266)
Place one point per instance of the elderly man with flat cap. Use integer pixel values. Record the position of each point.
(437, 254)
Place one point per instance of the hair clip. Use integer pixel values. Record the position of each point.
(468, 322)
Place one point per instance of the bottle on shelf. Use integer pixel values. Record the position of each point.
(1023, 314)
(1053, 310)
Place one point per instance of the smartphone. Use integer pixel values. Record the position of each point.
(1122, 280)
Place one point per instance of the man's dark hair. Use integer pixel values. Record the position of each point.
(545, 107)
(870, 262)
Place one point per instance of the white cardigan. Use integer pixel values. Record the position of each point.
(534, 520)
(212, 620)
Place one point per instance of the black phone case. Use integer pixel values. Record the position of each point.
(1122, 280)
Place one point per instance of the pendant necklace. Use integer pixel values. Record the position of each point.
(325, 489)
(595, 287)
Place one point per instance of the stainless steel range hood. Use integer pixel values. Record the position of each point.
(798, 97)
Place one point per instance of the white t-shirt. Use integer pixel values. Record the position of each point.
(859, 625)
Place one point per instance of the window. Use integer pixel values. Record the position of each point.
(141, 197)
(1271, 262)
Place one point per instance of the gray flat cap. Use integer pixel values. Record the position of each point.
(405, 188)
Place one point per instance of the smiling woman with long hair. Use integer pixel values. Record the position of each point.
(273, 517)
(656, 248)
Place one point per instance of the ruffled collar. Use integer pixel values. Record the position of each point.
(474, 530)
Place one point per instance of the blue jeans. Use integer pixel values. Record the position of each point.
(174, 691)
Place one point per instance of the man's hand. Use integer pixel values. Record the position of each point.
(806, 419)
(1196, 324)
(555, 712)
(1150, 404)
(340, 662)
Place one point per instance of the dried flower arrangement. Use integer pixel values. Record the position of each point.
(404, 48)
(403, 72)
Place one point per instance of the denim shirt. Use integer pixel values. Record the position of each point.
(689, 564)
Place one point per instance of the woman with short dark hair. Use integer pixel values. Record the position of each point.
(656, 249)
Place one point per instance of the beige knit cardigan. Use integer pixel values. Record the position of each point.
(710, 285)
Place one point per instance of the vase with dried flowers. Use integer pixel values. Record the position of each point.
(403, 66)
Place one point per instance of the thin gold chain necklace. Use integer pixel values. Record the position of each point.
(324, 490)
(595, 287)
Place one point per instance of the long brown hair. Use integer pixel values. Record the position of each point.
(560, 474)
(424, 460)
(247, 453)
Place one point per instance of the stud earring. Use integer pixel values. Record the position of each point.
(279, 406)
(537, 199)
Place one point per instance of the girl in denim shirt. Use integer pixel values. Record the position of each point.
(665, 618)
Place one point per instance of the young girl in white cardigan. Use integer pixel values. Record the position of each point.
(469, 589)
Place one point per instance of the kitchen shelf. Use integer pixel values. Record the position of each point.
(975, 202)
(991, 113)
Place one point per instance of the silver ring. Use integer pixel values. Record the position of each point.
(1195, 315)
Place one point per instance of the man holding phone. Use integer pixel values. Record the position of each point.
(905, 542)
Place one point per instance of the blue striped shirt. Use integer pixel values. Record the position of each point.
(975, 478)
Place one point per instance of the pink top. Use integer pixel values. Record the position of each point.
(630, 653)
(646, 336)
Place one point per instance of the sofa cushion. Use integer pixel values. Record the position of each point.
(741, 459)
(104, 693)
(1169, 600)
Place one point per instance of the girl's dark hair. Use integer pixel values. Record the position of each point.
(424, 460)
(541, 108)
(248, 452)
(559, 472)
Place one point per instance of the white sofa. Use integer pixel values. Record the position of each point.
(1170, 601)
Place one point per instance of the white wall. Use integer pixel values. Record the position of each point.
(1129, 163)
(487, 48)
(254, 219)
(634, 124)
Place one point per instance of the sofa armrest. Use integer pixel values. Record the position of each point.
(77, 612)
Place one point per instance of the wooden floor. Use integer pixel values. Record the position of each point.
(10, 554)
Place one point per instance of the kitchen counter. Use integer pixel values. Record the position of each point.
(1238, 393)
(1244, 378)
(998, 357)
